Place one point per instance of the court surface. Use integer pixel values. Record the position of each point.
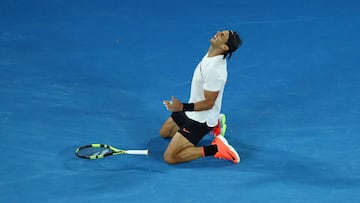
(80, 72)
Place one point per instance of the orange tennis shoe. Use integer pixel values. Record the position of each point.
(225, 151)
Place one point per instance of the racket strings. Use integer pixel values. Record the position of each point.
(94, 151)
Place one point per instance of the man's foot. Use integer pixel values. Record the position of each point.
(225, 151)
(220, 128)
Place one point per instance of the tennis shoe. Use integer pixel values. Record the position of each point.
(220, 128)
(225, 151)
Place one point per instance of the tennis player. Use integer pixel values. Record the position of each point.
(190, 122)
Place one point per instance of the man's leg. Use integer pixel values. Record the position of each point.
(181, 150)
(169, 128)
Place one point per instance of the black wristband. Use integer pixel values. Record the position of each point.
(188, 107)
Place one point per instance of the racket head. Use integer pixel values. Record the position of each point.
(97, 151)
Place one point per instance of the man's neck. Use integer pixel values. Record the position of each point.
(214, 52)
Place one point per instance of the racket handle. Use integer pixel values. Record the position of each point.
(138, 152)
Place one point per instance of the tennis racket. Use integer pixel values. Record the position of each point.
(98, 151)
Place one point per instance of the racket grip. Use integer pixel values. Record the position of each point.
(138, 152)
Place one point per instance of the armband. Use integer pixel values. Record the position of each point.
(188, 107)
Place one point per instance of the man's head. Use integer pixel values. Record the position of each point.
(228, 41)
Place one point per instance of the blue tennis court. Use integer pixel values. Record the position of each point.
(79, 72)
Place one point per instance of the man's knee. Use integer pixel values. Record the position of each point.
(164, 132)
(170, 159)
(168, 129)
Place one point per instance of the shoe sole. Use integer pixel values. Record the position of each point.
(231, 149)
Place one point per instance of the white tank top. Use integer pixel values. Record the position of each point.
(211, 75)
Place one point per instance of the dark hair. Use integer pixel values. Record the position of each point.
(233, 43)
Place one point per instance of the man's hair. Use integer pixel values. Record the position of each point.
(233, 43)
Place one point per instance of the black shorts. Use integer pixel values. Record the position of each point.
(190, 129)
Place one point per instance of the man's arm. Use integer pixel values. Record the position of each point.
(208, 102)
(176, 105)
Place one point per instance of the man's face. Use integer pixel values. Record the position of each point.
(220, 38)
